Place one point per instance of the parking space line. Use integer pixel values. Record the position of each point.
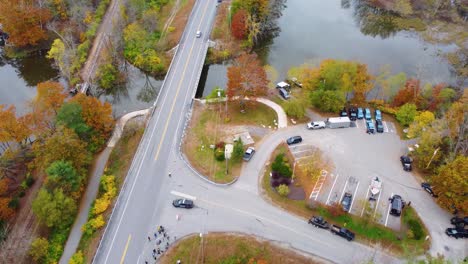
(320, 181)
(342, 193)
(385, 126)
(183, 195)
(357, 123)
(365, 201)
(300, 151)
(354, 195)
(333, 186)
(377, 204)
(388, 211)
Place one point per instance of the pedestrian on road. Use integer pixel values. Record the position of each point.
(149, 238)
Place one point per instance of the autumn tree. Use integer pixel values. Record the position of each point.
(54, 209)
(70, 115)
(12, 129)
(246, 78)
(421, 122)
(239, 24)
(24, 20)
(39, 249)
(451, 185)
(428, 155)
(63, 55)
(362, 84)
(329, 101)
(456, 120)
(409, 94)
(61, 174)
(406, 114)
(6, 213)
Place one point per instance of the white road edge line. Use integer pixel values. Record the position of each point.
(333, 186)
(388, 211)
(190, 197)
(354, 197)
(365, 201)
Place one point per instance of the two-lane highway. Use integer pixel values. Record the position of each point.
(147, 180)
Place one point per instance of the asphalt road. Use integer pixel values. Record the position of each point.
(145, 200)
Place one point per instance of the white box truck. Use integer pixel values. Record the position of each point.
(338, 122)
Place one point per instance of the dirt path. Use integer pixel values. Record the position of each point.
(24, 231)
(89, 69)
(171, 18)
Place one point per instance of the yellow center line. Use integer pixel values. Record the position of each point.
(125, 250)
(178, 90)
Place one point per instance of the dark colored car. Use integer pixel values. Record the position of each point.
(370, 127)
(406, 162)
(360, 113)
(379, 126)
(397, 205)
(458, 221)
(342, 232)
(344, 112)
(294, 140)
(457, 232)
(318, 221)
(248, 153)
(428, 188)
(183, 203)
(346, 201)
(353, 113)
(378, 115)
(367, 114)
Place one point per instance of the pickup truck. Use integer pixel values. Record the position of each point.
(318, 221)
(342, 232)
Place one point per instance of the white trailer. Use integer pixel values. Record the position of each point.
(338, 122)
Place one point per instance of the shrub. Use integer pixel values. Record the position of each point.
(100, 205)
(294, 108)
(416, 228)
(77, 258)
(220, 145)
(281, 166)
(405, 115)
(219, 154)
(335, 210)
(238, 150)
(14, 203)
(39, 249)
(283, 190)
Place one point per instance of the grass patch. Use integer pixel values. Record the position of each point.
(232, 248)
(410, 23)
(367, 231)
(118, 165)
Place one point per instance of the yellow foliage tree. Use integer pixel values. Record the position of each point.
(101, 205)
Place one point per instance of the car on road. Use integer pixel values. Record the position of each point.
(344, 112)
(428, 188)
(406, 162)
(397, 205)
(318, 221)
(459, 221)
(360, 113)
(248, 153)
(198, 34)
(352, 113)
(457, 232)
(367, 114)
(370, 127)
(316, 125)
(294, 140)
(342, 232)
(346, 201)
(284, 93)
(379, 126)
(378, 115)
(183, 203)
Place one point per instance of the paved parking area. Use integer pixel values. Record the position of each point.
(358, 157)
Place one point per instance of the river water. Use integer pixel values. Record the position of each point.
(313, 30)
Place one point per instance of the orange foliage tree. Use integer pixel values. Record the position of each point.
(362, 84)
(12, 129)
(239, 24)
(24, 20)
(246, 78)
(409, 94)
(6, 212)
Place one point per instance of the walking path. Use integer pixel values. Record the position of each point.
(93, 186)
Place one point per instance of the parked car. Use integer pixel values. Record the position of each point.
(457, 232)
(248, 153)
(344, 112)
(428, 188)
(360, 113)
(353, 113)
(294, 140)
(198, 34)
(346, 201)
(183, 203)
(318, 221)
(342, 232)
(378, 115)
(284, 93)
(379, 126)
(458, 221)
(370, 127)
(397, 205)
(406, 162)
(367, 114)
(316, 125)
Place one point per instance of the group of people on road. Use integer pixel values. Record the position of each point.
(161, 242)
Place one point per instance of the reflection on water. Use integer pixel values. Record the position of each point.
(313, 30)
(139, 92)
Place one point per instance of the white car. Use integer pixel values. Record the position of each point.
(248, 154)
(316, 125)
(198, 33)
